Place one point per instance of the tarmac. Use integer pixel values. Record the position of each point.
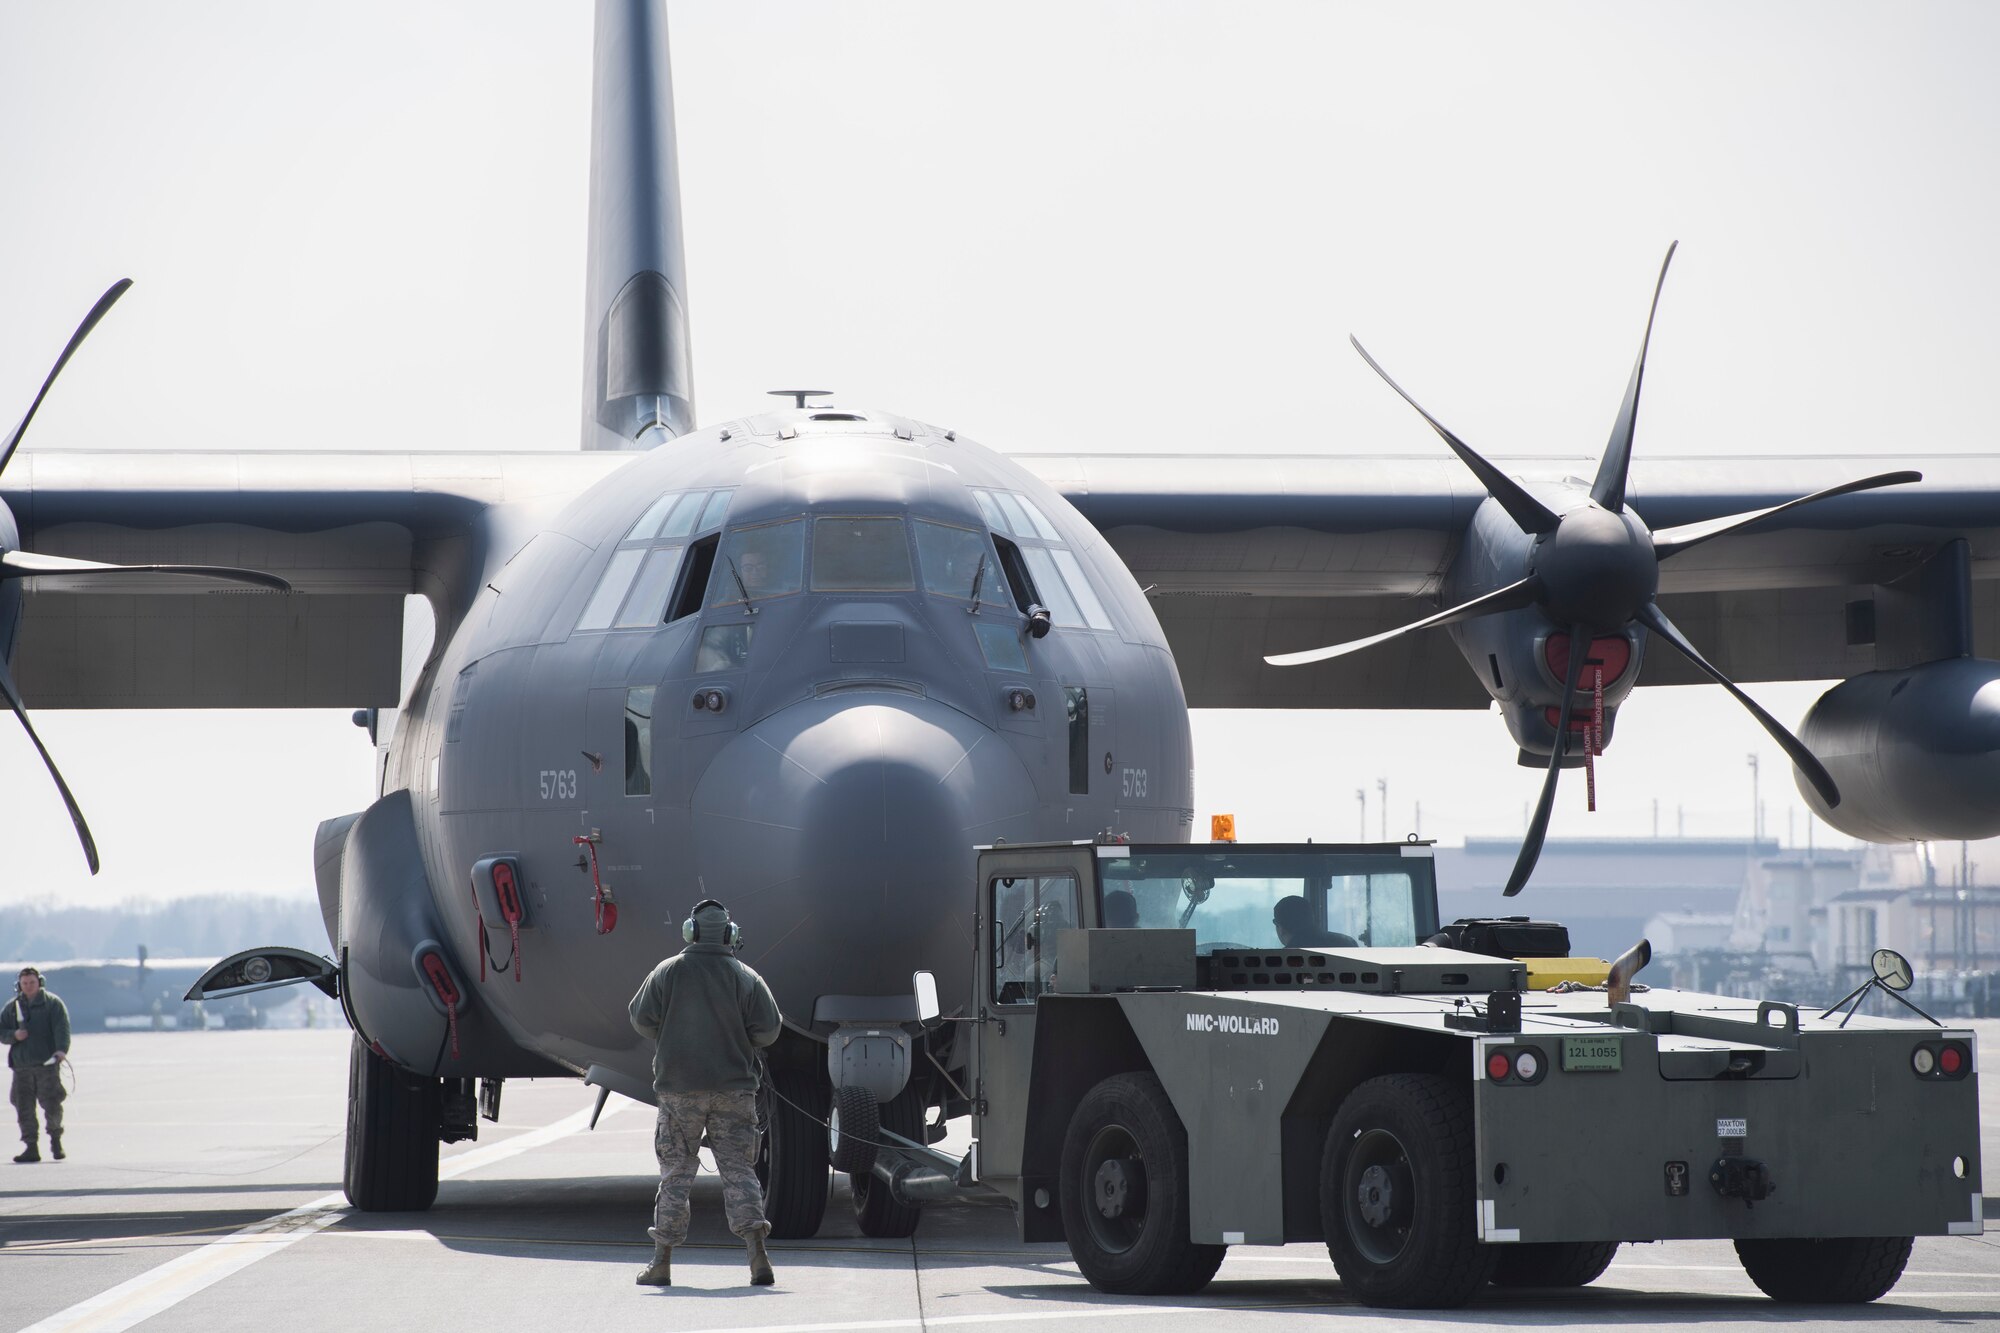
(203, 1192)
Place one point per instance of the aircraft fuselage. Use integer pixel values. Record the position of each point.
(822, 758)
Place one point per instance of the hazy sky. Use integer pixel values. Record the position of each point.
(1053, 227)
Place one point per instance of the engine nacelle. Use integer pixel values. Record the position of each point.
(1915, 753)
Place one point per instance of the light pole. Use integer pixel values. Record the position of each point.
(1382, 785)
(1361, 817)
(1756, 809)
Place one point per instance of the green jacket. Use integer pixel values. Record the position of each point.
(47, 1021)
(708, 1015)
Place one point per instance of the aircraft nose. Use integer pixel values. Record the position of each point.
(840, 831)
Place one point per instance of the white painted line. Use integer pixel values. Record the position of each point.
(1738, 1268)
(174, 1281)
(1020, 1317)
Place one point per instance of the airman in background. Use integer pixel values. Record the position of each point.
(35, 1026)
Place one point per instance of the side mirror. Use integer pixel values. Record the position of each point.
(1892, 969)
(925, 986)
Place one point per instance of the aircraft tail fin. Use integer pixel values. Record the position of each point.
(638, 378)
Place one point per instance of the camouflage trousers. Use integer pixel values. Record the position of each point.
(43, 1084)
(730, 1120)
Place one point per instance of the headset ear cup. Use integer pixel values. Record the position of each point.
(688, 931)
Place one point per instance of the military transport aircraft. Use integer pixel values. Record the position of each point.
(806, 658)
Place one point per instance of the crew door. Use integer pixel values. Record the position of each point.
(1026, 897)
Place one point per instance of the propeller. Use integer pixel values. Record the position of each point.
(1594, 569)
(28, 564)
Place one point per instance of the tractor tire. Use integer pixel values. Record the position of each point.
(877, 1211)
(1124, 1192)
(392, 1135)
(1396, 1194)
(1847, 1270)
(857, 1119)
(1552, 1264)
(791, 1158)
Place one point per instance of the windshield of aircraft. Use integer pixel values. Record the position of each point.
(1293, 897)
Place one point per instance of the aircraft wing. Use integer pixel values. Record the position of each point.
(354, 533)
(1246, 556)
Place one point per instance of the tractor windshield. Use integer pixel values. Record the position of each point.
(1273, 898)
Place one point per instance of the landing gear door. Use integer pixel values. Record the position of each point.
(1026, 898)
(265, 969)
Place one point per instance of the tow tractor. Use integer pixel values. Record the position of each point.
(1178, 1048)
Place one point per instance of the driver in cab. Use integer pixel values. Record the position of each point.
(1292, 918)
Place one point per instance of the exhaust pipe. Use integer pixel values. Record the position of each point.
(1618, 981)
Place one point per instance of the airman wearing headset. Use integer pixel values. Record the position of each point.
(709, 1014)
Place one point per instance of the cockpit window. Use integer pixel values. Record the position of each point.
(951, 560)
(1079, 588)
(1042, 527)
(990, 508)
(610, 591)
(636, 589)
(649, 522)
(861, 555)
(1038, 566)
(765, 561)
(1055, 596)
(681, 519)
(648, 598)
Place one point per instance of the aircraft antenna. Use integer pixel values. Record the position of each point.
(799, 396)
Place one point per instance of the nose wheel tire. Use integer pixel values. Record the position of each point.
(877, 1211)
(392, 1135)
(792, 1158)
(1396, 1196)
(1847, 1270)
(856, 1121)
(1124, 1192)
(1554, 1264)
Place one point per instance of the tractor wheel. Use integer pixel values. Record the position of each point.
(1395, 1194)
(876, 1210)
(1124, 1192)
(1552, 1264)
(791, 1159)
(1847, 1270)
(392, 1135)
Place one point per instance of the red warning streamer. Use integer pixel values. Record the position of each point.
(1593, 739)
(603, 904)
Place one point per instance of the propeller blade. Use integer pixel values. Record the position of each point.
(1510, 598)
(13, 697)
(104, 303)
(29, 565)
(1531, 514)
(1669, 542)
(1609, 489)
(1807, 763)
(1538, 827)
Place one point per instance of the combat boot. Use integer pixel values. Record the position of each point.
(55, 1146)
(29, 1154)
(760, 1261)
(661, 1272)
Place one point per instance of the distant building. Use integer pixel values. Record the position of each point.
(1606, 890)
(1750, 917)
